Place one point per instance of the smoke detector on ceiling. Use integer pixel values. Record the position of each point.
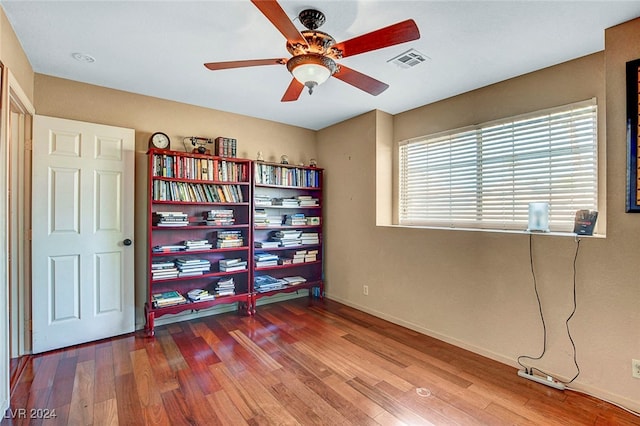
(83, 57)
(409, 59)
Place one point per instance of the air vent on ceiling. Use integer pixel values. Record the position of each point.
(409, 59)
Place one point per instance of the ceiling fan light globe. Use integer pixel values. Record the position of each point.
(311, 69)
(311, 73)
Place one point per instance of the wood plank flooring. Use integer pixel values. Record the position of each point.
(294, 362)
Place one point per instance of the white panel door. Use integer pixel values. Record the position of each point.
(82, 274)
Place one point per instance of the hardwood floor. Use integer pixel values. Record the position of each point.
(292, 363)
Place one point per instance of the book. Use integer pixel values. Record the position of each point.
(267, 244)
(199, 295)
(232, 265)
(294, 280)
(585, 222)
(233, 268)
(231, 262)
(162, 265)
(167, 298)
(265, 256)
(168, 248)
(264, 283)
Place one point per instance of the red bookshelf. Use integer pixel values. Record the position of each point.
(287, 211)
(183, 191)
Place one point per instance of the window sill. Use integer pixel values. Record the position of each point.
(500, 231)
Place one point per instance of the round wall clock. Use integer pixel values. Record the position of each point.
(159, 140)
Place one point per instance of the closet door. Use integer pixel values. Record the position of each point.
(82, 263)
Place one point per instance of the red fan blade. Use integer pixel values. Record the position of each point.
(361, 81)
(293, 91)
(274, 13)
(384, 37)
(241, 64)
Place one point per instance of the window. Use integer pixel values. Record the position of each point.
(485, 176)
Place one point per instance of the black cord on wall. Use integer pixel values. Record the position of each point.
(544, 326)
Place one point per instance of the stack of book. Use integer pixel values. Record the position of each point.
(232, 265)
(265, 259)
(266, 244)
(274, 220)
(163, 270)
(309, 238)
(199, 295)
(170, 219)
(311, 256)
(297, 219)
(285, 260)
(260, 217)
(168, 248)
(194, 245)
(192, 267)
(226, 287)
(285, 202)
(266, 283)
(287, 238)
(307, 201)
(219, 217)
(262, 200)
(225, 147)
(294, 280)
(228, 239)
(168, 298)
(298, 256)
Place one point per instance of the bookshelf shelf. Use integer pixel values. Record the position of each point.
(286, 227)
(310, 285)
(220, 250)
(288, 266)
(287, 205)
(297, 188)
(199, 203)
(198, 277)
(301, 247)
(191, 190)
(200, 227)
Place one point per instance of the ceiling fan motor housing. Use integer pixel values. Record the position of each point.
(318, 42)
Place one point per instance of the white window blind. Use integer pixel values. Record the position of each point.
(486, 176)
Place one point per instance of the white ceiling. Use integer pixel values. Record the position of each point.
(158, 48)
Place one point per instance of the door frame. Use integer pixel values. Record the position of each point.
(12, 92)
(19, 109)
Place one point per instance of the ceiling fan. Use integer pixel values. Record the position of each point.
(315, 53)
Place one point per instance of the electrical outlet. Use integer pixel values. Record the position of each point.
(635, 368)
(365, 290)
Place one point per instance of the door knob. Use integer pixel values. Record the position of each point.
(127, 242)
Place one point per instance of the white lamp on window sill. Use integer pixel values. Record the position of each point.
(538, 217)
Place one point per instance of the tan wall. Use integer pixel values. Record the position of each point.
(475, 289)
(78, 101)
(14, 58)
